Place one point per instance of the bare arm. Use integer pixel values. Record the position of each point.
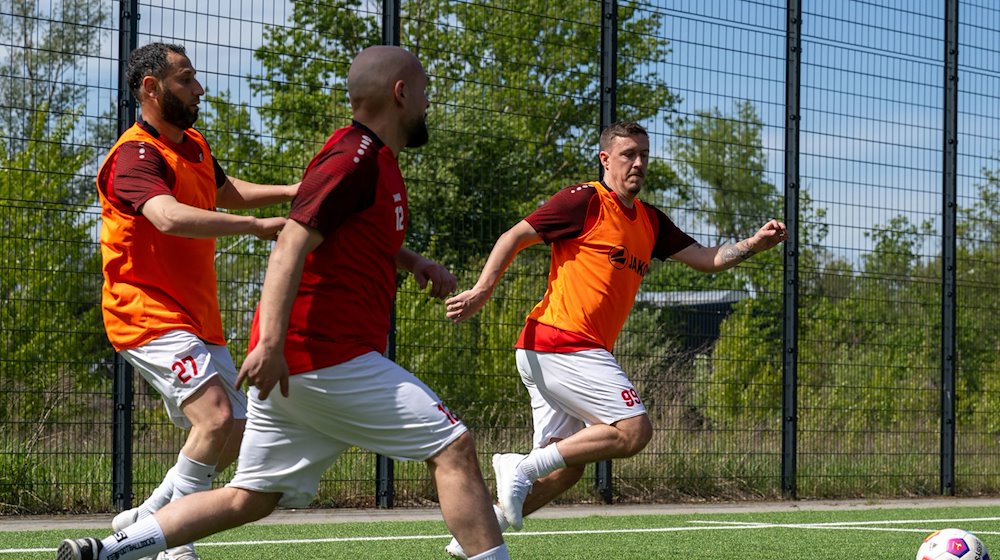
(512, 242)
(425, 270)
(728, 255)
(238, 194)
(265, 365)
(176, 218)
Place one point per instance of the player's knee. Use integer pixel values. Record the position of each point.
(459, 453)
(636, 435)
(252, 506)
(216, 426)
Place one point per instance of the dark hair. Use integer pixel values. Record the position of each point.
(620, 129)
(149, 60)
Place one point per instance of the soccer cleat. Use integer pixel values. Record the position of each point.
(125, 519)
(185, 552)
(455, 550)
(87, 548)
(512, 487)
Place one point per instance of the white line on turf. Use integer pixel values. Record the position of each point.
(706, 525)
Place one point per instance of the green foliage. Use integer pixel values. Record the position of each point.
(725, 153)
(471, 365)
(515, 104)
(305, 71)
(742, 382)
(50, 326)
(515, 115)
(39, 83)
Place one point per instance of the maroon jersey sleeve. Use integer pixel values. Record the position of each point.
(337, 185)
(669, 238)
(565, 215)
(140, 173)
(220, 174)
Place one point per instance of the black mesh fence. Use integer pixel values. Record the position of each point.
(516, 104)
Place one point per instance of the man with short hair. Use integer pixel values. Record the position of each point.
(159, 188)
(319, 335)
(602, 238)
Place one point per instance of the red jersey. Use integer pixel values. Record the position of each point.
(601, 250)
(353, 193)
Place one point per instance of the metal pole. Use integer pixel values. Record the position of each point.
(948, 248)
(609, 91)
(121, 431)
(390, 22)
(790, 306)
(384, 467)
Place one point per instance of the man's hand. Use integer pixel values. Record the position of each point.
(264, 369)
(268, 228)
(442, 281)
(769, 235)
(466, 304)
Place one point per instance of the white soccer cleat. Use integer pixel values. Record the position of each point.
(455, 550)
(512, 487)
(125, 519)
(185, 552)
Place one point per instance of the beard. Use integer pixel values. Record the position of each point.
(416, 133)
(176, 112)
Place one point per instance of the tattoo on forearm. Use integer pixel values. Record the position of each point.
(733, 252)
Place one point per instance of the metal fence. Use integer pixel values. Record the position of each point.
(860, 360)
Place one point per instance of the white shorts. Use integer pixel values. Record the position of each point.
(368, 402)
(570, 391)
(178, 363)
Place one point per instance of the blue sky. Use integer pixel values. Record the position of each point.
(871, 98)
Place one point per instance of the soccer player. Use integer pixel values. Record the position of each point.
(602, 237)
(159, 188)
(319, 335)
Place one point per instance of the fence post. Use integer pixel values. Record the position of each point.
(948, 248)
(609, 91)
(121, 430)
(790, 306)
(384, 468)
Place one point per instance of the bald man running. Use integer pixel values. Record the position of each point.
(319, 335)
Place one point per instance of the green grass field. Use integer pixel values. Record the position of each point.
(858, 534)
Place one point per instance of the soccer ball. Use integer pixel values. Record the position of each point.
(952, 544)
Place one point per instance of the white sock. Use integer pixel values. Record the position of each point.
(190, 476)
(541, 462)
(495, 553)
(144, 538)
(501, 518)
(160, 497)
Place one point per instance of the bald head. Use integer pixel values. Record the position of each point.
(375, 72)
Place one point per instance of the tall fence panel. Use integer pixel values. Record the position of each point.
(56, 93)
(705, 350)
(871, 169)
(516, 92)
(978, 249)
(515, 111)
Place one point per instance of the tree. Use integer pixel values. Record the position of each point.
(241, 261)
(725, 154)
(51, 336)
(50, 280)
(514, 96)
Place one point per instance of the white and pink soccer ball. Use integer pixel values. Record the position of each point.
(952, 544)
